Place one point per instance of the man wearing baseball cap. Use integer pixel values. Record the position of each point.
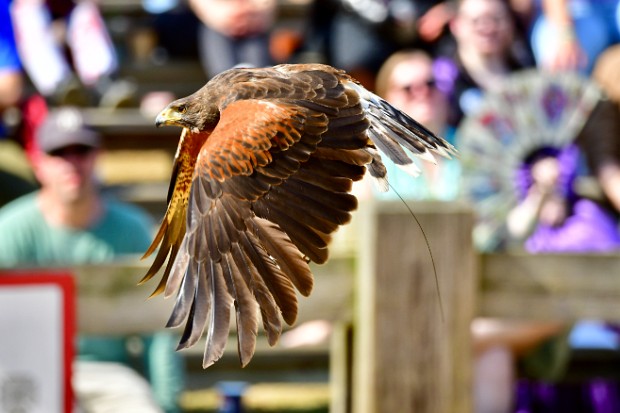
(69, 222)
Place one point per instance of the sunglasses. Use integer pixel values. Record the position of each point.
(415, 87)
(73, 150)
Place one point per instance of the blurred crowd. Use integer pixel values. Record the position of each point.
(435, 60)
(69, 53)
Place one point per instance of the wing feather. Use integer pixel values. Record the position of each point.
(246, 309)
(178, 270)
(198, 314)
(277, 283)
(270, 314)
(288, 257)
(186, 295)
(219, 314)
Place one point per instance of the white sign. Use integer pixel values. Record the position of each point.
(35, 343)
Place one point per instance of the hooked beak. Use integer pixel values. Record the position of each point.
(168, 116)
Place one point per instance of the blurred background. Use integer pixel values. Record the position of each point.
(521, 229)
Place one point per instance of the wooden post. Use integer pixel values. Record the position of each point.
(406, 357)
(339, 368)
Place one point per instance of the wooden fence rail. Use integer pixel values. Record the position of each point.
(406, 358)
(557, 287)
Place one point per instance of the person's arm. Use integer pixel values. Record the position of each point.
(432, 23)
(541, 203)
(609, 178)
(520, 336)
(523, 218)
(235, 18)
(569, 55)
(11, 88)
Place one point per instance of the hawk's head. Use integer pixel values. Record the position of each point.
(189, 112)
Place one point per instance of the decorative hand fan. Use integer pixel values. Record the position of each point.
(531, 111)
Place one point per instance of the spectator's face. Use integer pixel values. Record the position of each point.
(483, 25)
(68, 173)
(412, 89)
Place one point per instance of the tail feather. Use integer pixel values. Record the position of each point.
(386, 141)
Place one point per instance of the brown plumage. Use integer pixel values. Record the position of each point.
(261, 180)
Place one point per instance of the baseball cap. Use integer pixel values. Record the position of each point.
(65, 127)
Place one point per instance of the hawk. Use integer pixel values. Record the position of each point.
(261, 179)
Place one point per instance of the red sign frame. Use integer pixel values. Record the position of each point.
(65, 281)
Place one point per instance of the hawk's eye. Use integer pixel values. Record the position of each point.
(182, 109)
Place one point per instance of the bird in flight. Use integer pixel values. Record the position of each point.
(261, 180)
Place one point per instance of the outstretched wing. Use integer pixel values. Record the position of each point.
(266, 193)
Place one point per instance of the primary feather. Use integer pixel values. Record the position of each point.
(261, 180)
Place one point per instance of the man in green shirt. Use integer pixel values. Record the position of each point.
(30, 234)
(69, 222)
